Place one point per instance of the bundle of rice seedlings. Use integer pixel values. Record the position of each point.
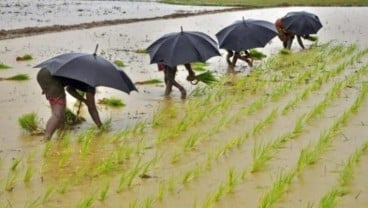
(150, 81)
(206, 77)
(119, 63)
(199, 66)
(30, 123)
(112, 101)
(141, 50)
(4, 66)
(25, 57)
(18, 77)
(71, 118)
(255, 54)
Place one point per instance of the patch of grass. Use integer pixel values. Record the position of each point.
(30, 123)
(4, 66)
(149, 82)
(112, 101)
(119, 63)
(284, 51)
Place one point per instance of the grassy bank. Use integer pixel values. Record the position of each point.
(270, 3)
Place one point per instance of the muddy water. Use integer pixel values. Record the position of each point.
(345, 25)
(30, 13)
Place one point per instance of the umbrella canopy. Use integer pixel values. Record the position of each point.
(246, 34)
(182, 47)
(301, 23)
(90, 69)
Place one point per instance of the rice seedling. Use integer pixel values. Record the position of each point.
(257, 55)
(119, 63)
(66, 153)
(161, 191)
(17, 77)
(25, 57)
(112, 102)
(85, 149)
(261, 154)
(148, 202)
(46, 196)
(141, 50)
(4, 66)
(86, 202)
(231, 180)
(10, 181)
(15, 163)
(187, 177)
(28, 174)
(149, 82)
(30, 123)
(329, 200)
(103, 192)
(191, 142)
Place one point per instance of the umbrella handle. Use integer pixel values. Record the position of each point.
(95, 53)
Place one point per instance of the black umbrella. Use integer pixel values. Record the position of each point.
(246, 34)
(301, 23)
(182, 47)
(90, 69)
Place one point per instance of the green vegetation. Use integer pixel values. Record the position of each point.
(148, 82)
(30, 123)
(141, 50)
(206, 77)
(119, 63)
(112, 102)
(71, 118)
(269, 3)
(255, 54)
(18, 77)
(199, 66)
(25, 57)
(4, 66)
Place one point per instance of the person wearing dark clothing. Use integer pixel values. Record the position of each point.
(169, 78)
(72, 86)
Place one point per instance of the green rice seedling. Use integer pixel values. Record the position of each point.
(17, 77)
(299, 125)
(149, 82)
(15, 163)
(257, 55)
(32, 204)
(25, 57)
(199, 66)
(119, 63)
(207, 78)
(28, 174)
(187, 177)
(47, 148)
(171, 185)
(103, 192)
(148, 202)
(106, 125)
(141, 50)
(134, 204)
(161, 191)
(10, 181)
(4, 66)
(86, 202)
(231, 180)
(30, 123)
(329, 200)
(285, 52)
(66, 153)
(176, 157)
(112, 102)
(46, 196)
(85, 149)
(261, 154)
(191, 142)
(86, 135)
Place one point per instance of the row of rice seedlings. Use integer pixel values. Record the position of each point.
(40, 200)
(310, 155)
(346, 175)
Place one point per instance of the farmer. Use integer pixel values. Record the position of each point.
(243, 55)
(72, 86)
(169, 78)
(54, 91)
(287, 37)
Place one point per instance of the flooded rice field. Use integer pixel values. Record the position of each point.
(290, 132)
